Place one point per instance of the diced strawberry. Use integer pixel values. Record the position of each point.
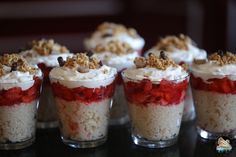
(27, 99)
(147, 85)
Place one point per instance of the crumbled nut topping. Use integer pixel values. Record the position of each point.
(82, 63)
(116, 29)
(170, 43)
(154, 62)
(116, 47)
(223, 58)
(45, 47)
(16, 62)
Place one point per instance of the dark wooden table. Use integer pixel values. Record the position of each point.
(119, 144)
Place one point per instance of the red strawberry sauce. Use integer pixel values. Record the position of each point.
(164, 93)
(16, 95)
(219, 85)
(83, 94)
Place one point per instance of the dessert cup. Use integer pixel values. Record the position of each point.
(18, 108)
(83, 112)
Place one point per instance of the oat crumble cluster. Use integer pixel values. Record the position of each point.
(116, 29)
(116, 47)
(161, 62)
(45, 47)
(222, 58)
(16, 62)
(82, 62)
(170, 43)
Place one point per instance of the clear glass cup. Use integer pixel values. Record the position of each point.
(18, 109)
(155, 110)
(119, 111)
(215, 103)
(47, 116)
(83, 110)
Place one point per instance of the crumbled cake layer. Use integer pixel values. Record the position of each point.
(170, 43)
(45, 47)
(117, 29)
(16, 62)
(222, 58)
(82, 62)
(116, 47)
(161, 62)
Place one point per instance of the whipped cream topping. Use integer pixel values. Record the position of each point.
(99, 37)
(211, 69)
(176, 73)
(72, 78)
(119, 62)
(50, 61)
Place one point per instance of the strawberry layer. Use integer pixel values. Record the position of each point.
(165, 93)
(46, 70)
(219, 85)
(83, 94)
(16, 95)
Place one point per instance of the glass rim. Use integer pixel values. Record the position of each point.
(179, 79)
(211, 74)
(28, 81)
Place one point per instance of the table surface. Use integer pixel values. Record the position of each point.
(119, 144)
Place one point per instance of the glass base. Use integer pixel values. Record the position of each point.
(17, 145)
(47, 125)
(84, 144)
(153, 144)
(119, 121)
(213, 136)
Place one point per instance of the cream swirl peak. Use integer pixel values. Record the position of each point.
(180, 48)
(45, 51)
(111, 31)
(156, 69)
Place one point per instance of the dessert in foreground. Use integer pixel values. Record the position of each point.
(120, 56)
(20, 85)
(107, 32)
(44, 53)
(182, 50)
(83, 90)
(214, 91)
(155, 91)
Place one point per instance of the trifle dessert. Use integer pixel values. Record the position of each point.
(182, 50)
(44, 53)
(214, 91)
(20, 85)
(108, 31)
(83, 90)
(120, 56)
(155, 90)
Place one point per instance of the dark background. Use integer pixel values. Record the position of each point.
(210, 23)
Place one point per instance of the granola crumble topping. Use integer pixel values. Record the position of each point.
(45, 47)
(116, 29)
(81, 62)
(16, 62)
(170, 43)
(223, 58)
(162, 62)
(116, 47)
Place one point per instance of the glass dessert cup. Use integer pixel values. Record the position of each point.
(83, 110)
(47, 116)
(155, 110)
(119, 111)
(18, 109)
(215, 101)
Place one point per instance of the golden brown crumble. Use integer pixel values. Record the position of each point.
(222, 58)
(16, 62)
(154, 61)
(81, 62)
(170, 43)
(117, 29)
(116, 47)
(45, 47)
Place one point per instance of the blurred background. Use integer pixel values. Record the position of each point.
(211, 24)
